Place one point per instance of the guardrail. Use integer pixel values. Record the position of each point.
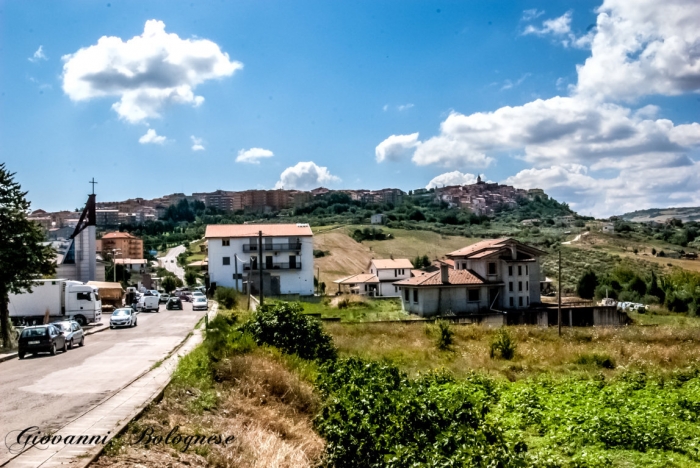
(272, 247)
(274, 266)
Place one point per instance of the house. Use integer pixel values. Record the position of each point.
(132, 264)
(608, 228)
(388, 271)
(125, 244)
(377, 218)
(236, 258)
(364, 284)
(491, 275)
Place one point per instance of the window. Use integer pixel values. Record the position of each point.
(527, 285)
(407, 294)
(396, 273)
(520, 301)
(225, 242)
(226, 260)
(473, 295)
(527, 272)
(511, 302)
(396, 289)
(83, 296)
(415, 295)
(492, 268)
(510, 270)
(520, 270)
(528, 300)
(520, 285)
(510, 286)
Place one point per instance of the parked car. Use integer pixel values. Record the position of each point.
(200, 303)
(197, 294)
(147, 304)
(72, 332)
(164, 298)
(41, 339)
(174, 303)
(125, 317)
(185, 296)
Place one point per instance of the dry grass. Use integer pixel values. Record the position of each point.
(265, 406)
(414, 348)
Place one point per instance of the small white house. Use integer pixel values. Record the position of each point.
(378, 218)
(608, 228)
(235, 257)
(388, 271)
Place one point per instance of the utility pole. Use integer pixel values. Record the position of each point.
(559, 295)
(260, 264)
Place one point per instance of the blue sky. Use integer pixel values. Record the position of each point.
(331, 82)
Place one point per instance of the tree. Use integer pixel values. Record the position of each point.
(168, 284)
(586, 285)
(653, 251)
(191, 277)
(23, 257)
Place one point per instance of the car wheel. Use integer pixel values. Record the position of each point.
(111, 327)
(21, 355)
(82, 341)
(70, 344)
(65, 346)
(53, 349)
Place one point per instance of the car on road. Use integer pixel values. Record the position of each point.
(41, 339)
(147, 303)
(200, 303)
(72, 332)
(197, 293)
(124, 317)
(164, 298)
(174, 303)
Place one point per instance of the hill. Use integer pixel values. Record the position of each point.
(662, 214)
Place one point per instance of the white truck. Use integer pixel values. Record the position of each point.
(148, 303)
(62, 299)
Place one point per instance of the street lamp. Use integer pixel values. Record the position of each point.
(114, 262)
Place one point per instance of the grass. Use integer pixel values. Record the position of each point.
(358, 309)
(539, 351)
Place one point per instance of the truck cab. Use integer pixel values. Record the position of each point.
(82, 303)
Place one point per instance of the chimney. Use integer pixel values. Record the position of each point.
(445, 273)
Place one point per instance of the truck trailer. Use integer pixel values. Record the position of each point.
(62, 299)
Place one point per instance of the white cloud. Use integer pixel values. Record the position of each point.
(508, 84)
(396, 147)
(404, 107)
(452, 178)
(253, 155)
(152, 137)
(529, 15)
(305, 176)
(38, 55)
(641, 48)
(146, 72)
(197, 143)
(556, 26)
(385, 107)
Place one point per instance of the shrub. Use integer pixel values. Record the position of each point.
(284, 326)
(374, 416)
(502, 345)
(586, 285)
(445, 336)
(599, 360)
(227, 297)
(319, 253)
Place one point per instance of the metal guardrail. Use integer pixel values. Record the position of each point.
(274, 266)
(272, 247)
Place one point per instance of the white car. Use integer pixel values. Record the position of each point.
(200, 303)
(125, 317)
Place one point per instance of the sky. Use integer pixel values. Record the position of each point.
(598, 103)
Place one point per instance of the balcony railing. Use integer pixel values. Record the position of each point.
(272, 247)
(274, 266)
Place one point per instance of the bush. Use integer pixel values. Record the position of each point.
(586, 285)
(599, 360)
(503, 345)
(284, 326)
(227, 297)
(446, 335)
(374, 416)
(319, 253)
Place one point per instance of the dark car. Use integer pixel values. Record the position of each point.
(174, 303)
(41, 339)
(72, 332)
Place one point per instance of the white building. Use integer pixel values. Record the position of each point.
(608, 228)
(286, 258)
(377, 218)
(389, 271)
(497, 274)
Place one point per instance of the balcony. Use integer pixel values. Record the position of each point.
(274, 266)
(272, 247)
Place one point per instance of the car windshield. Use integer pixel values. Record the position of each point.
(30, 332)
(119, 312)
(201, 299)
(65, 326)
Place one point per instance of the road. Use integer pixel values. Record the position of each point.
(169, 261)
(50, 391)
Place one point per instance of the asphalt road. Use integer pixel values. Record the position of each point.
(169, 261)
(50, 391)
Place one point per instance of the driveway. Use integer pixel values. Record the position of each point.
(169, 261)
(50, 391)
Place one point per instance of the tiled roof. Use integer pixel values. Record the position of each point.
(387, 263)
(456, 277)
(251, 230)
(361, 278)
(485, 244)
(118, 235)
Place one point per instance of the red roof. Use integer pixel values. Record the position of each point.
(455, 277)
(252, 230)
(118, 235)
(494, 244)
(387, 263)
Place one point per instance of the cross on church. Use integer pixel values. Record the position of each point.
(93, 185)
